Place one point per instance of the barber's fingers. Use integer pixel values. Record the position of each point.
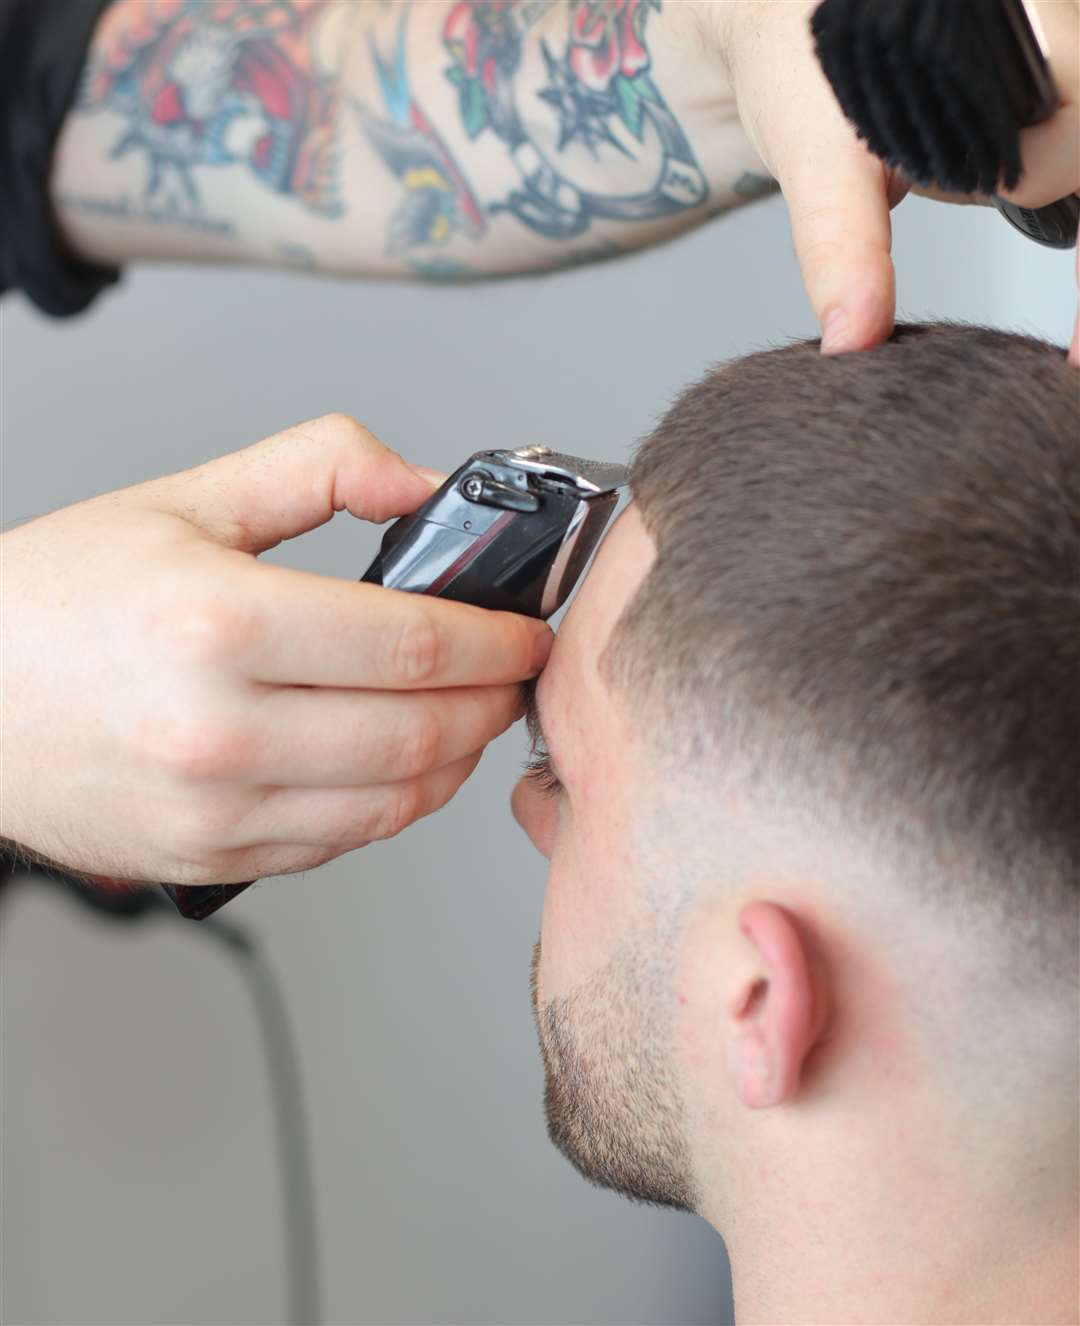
(1050, 151)
(838, 194)
(336, 738)
(838, 197)
(299, 628)
(337, 820)
(1051, 155)
(293, 482)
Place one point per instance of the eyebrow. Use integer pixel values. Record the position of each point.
(538, 738)
(532, 713)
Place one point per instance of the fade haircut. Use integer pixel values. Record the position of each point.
(866, 599)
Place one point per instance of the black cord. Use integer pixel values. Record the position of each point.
(282, 1065)
(291, 1130)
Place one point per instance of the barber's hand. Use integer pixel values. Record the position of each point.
(839, 194)
(176, 710)
(1051, 151)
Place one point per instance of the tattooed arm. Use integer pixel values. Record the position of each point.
(370, 137)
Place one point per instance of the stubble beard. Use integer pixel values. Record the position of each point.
(611, 1100)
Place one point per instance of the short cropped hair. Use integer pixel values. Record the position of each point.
(867, 592)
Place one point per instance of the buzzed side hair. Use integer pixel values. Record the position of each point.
(867, 593)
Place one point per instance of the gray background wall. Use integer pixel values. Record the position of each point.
(139, 1181)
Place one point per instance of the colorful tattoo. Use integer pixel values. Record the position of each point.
(205, 83)
(256, 85)
(602, 103)
(438, 201)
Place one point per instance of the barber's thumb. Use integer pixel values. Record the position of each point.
(852, 288)
(295, 481)
(842, 236)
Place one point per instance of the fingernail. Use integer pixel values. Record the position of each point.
(542, 648)
(835, 332)
(432, 477)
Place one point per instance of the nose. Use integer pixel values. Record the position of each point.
(536, 813)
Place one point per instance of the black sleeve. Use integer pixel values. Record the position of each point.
(43, 45)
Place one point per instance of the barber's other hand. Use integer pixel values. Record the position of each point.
(176, 710)
(839, 195)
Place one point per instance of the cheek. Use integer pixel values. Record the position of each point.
(537, 814)
(588, 904)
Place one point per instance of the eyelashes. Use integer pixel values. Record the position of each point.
(539, 772)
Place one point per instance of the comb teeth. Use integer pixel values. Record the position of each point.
(923, 82)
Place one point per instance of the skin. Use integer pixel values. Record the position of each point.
(839, 195)
(384, 140)
(733, 89)
(728, 1026)
(266, 720)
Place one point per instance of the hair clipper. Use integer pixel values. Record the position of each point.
(509, 530)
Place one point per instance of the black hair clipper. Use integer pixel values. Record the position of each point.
(509, 530)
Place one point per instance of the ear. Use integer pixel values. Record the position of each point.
(778, 1011)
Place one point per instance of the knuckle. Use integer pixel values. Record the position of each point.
(207, 632)
(396, 811)
(420, 745)
(819, 243)
(194, 836)
(197, 747)
(338, 421)
(344, 429)
(828, 234)
(414, 648)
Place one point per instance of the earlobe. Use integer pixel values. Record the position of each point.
(777, 1013)
(752, 1064)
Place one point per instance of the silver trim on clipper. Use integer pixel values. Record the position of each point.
(593, 476)
(550, 597)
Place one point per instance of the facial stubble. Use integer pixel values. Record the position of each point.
(611, 1100)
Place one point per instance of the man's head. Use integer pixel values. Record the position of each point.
(815, 714)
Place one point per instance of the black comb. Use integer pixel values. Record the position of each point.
(941, 89)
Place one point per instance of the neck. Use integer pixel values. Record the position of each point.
(848, 1248)
(910, 1281)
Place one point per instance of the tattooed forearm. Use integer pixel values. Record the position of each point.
(438, 201)
(449, 271)
(219, 83)
(129, 207)
(608, 147)
(450, 139)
